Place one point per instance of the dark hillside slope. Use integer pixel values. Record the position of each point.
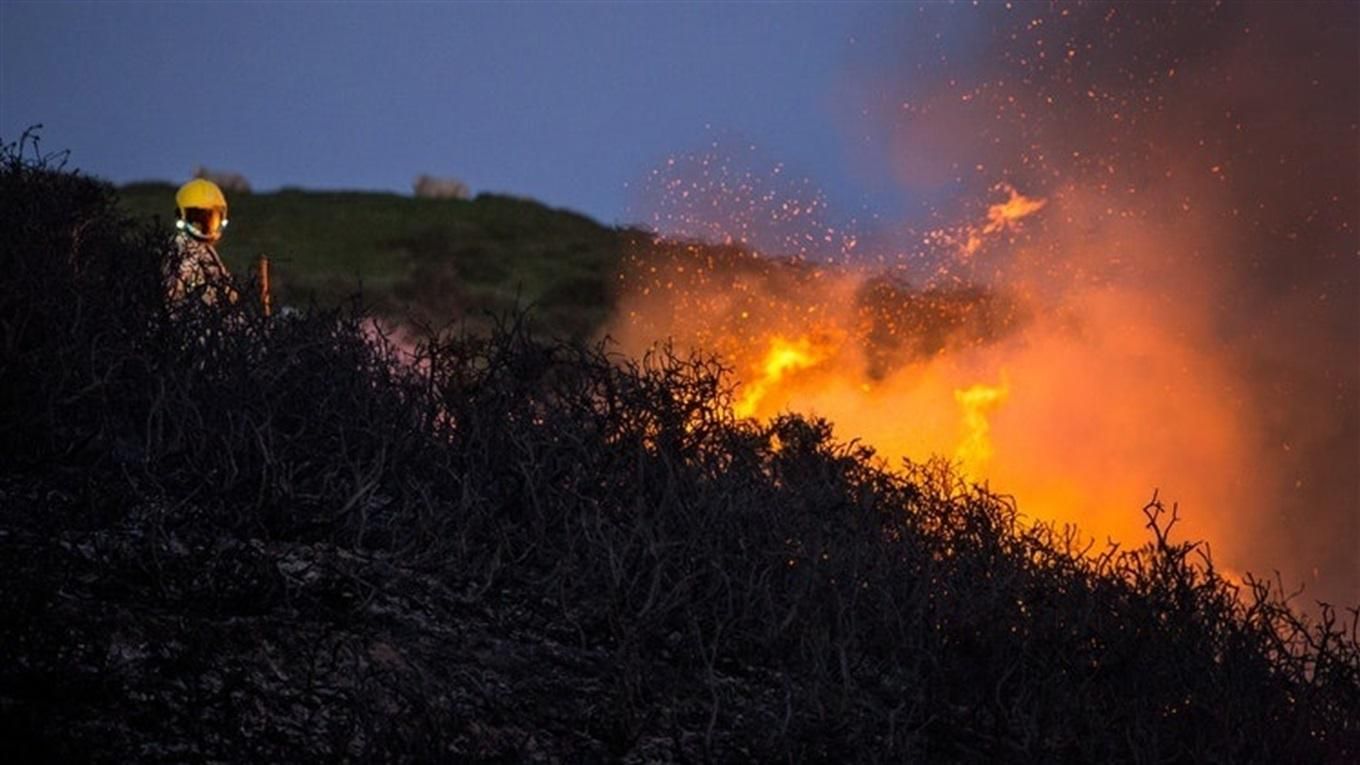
(435, 259)
(232, 539)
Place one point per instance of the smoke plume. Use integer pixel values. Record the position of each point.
(1205, 161)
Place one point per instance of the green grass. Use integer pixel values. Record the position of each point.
(434, 260)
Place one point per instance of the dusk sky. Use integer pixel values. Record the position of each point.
(572, 104)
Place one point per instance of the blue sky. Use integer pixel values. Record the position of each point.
(571, 104)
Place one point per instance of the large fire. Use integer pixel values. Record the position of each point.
(1079, 404)
(1124, 259)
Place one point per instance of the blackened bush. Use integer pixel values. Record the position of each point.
(75, 277)
(233, 537)
(271, 424)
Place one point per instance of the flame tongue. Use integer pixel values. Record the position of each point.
(783, 357)
(1004, 215)
(1001, 218)
(975, 450)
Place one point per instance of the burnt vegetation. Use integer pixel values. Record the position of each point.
(231, 538)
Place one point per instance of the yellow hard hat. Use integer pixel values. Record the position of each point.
(202, 209)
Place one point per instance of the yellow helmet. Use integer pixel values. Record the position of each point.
(202, 209)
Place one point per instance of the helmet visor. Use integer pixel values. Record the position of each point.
(205, 222)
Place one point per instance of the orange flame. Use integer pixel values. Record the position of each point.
(1001, 217)
(784, 357)
(976, 448)
(1005, 215)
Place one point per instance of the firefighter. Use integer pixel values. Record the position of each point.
(196, 269)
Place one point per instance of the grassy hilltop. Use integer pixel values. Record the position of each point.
(230, 538)
(433, 259)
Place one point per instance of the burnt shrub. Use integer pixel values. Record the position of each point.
(233, 537)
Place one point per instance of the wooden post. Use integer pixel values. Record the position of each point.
(264, 286)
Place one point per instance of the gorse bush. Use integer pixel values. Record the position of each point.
(231, 537)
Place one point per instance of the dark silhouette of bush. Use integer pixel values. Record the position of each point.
(233, 538)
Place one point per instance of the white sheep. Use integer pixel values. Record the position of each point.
(430, 187)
